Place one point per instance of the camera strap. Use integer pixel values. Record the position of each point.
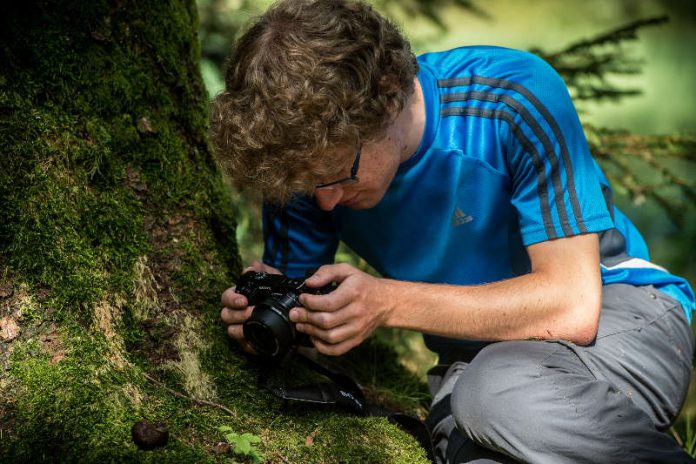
(343, 391)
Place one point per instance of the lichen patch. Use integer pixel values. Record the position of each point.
(146, 289)
(107, 317)
(195, 380)
(133, 393)
(17, 301)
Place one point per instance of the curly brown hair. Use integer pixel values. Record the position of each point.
(307, 79)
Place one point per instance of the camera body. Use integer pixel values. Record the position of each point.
(269, 330)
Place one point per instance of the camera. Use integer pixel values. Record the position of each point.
(269, 330)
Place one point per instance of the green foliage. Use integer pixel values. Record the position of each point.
(586, 64)
(685, 435)
(646, 168)
(432, 10)
(379, 364)
(243, 445)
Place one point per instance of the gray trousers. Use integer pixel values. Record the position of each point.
(557, 402)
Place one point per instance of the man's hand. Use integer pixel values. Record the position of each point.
(236, 308)
(342, 319)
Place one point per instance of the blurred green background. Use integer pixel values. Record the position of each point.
(664, 74)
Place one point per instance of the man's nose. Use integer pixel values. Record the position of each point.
(328, 198)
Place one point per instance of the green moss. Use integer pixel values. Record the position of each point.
(56, 403)
(86, 79)
(81, 408)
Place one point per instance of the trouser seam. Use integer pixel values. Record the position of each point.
(623, 449)
(638, 328)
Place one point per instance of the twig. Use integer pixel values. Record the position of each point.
(194, 400)
(676, 436)
(284, 459)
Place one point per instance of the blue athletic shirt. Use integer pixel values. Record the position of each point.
(503, 164)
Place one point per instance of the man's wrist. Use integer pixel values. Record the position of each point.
(390, 296)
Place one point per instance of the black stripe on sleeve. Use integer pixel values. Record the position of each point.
(541, 136)
(284, 240)
(508, 85)
(272, 232)
(538, 163)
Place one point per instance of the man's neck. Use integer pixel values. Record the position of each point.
(412, 123)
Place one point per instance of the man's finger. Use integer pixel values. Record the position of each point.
(235, 331)
(322, 319)
(235, 316)
(333, 336)
(231, 299)
(333, 350)
(330, 273)
(330, 302)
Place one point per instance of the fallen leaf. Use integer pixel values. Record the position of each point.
(310, 438)
(144, 126)
(9, 330)
(222, 448)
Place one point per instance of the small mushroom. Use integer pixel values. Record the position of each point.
(149, 436)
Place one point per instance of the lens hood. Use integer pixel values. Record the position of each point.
(269, 330)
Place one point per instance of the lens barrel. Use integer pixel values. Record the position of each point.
(269, 330)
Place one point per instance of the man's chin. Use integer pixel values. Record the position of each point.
(361, 203)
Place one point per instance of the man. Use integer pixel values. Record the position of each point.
(465, 179)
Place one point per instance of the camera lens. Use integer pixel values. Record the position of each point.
(261, 338)
(269, 330)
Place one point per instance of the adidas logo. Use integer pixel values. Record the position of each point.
(460, 217)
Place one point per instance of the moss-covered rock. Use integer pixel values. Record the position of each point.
(116, 240)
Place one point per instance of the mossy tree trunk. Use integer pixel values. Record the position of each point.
(116, 239)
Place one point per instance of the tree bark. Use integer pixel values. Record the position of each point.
(116, 240)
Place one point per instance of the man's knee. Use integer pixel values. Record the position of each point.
(498, 390)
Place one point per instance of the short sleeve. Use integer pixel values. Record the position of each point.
(555, 187)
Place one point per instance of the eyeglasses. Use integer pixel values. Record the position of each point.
(350, 179)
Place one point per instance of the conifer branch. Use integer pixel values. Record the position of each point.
(668, 161)
(615, 36)
(585, 65)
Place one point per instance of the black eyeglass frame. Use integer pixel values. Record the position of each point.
(353, 173)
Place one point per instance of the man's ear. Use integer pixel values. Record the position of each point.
(390, 88)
